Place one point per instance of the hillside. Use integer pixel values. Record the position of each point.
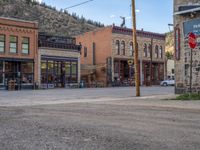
(50, 20)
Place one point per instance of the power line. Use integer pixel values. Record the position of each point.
(79, 4)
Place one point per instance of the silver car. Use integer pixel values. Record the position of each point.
(168, 82)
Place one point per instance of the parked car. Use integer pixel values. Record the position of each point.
(168, 82)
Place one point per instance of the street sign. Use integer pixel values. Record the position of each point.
(192, 40)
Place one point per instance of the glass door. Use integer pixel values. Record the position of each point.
(12, 73)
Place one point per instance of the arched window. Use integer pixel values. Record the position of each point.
(117, 47)
(149, 50)
(123, 48)
(161, 52)
(145, 50)
(131, 51)
(156, 51)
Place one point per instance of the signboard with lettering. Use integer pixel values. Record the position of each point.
(177, 43)
(191, 26)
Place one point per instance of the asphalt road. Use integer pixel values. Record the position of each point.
(57, 96)
(111, 125)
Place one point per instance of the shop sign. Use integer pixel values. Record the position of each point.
(191, 26)
(177, 43)
(130, 62)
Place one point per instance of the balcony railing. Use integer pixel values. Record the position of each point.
(59, 46)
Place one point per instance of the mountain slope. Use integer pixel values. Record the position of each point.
(50, 20)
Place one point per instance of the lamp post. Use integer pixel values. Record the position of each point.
(137, 77)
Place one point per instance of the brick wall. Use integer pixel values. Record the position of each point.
(20, 29)
(105, 40)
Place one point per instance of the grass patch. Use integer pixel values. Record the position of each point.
(188, 97)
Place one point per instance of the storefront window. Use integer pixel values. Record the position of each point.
(74, 68)
(67, 78)
(27, 72)
(1, 72)
(58, 72)
(67, 67)
(27, 78)
(116, 68)
(13, 44)
(1, 66)
(50, 72)
(25, 45)
(74, 79)
(2, 43)
(27, 67)
(44, 71)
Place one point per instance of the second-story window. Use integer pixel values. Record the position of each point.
(85, 51)
(13, 44)
(156, 51)
(145, 50)
(149, 50)
(25, 45)
(123, 48)
(161, 52)
(117, 44)
(131, 51)
(2, 43)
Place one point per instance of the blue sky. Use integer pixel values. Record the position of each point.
(152, 15)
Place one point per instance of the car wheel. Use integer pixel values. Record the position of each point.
(165, 84)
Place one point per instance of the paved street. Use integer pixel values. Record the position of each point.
(100, 119)
(57, 96)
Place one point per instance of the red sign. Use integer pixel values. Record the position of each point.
(192, 40)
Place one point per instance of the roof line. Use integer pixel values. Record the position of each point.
(15, 19)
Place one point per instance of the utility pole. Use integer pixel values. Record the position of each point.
(137, 77)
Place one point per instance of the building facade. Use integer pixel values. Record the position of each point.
(186, 20)
(170, 69)
(59, 61)
(18, 53)
(109, 53)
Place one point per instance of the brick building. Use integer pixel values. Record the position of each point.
(59, 61)
(18, 53)
(186, 20)
(107, 56)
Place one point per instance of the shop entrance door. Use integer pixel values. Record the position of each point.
(59, 72)
(13, 73)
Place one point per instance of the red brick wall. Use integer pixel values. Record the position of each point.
(20, 29)
(103, 40)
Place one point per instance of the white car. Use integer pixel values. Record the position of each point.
(167, 82)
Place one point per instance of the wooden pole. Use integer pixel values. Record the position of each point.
(137, 77)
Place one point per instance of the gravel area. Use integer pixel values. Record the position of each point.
(104, 125)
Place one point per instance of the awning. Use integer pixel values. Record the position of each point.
(16, 59)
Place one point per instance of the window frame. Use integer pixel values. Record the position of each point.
(117, 44)
(156, 51)
(145, 50)
(85, 51)
(4, 43)
(123, 47)
(16, 43)
(131, 50)
(23, 43)
(161, 52)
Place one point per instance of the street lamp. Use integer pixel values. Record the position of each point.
(137, 77)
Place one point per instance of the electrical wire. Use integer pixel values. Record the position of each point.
(79, 4)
